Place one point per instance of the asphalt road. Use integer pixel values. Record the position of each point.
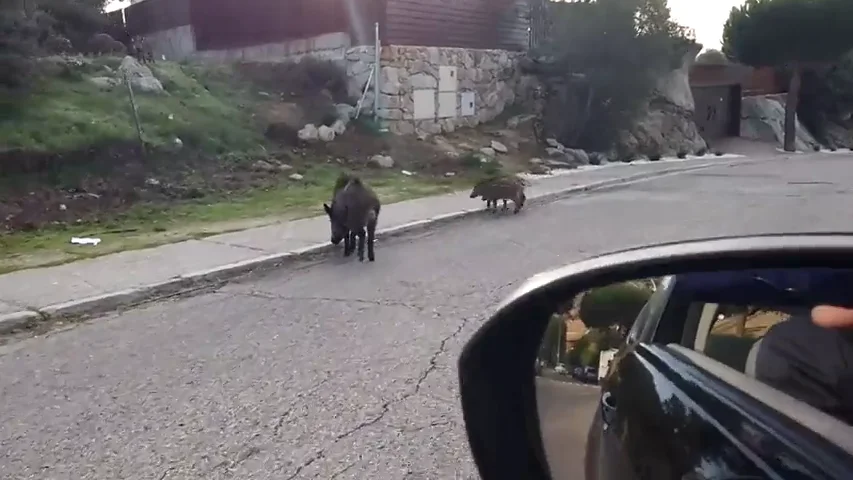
(337, 370)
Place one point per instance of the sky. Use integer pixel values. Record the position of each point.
(706, 17)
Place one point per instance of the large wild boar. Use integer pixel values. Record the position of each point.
(353, 215)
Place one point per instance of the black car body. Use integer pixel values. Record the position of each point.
(667, 411)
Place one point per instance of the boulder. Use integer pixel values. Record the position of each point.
(763, 119)
(499, 147)
(382, 161)
(339, 127)
(345, 113)
(325, 134)
(141, 77)
(488, 151)
(667, 126)
(309, 133)
(579, 157)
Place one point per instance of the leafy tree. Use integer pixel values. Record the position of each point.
(26, 24)
(792, 34)
(611, 53)
(553, 340)
(712, 57)
(613, 305)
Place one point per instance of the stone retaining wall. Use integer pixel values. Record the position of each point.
(434, 89)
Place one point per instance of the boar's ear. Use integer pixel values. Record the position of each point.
(328, 209)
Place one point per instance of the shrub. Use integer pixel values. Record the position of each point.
(616, 304)
(654, 157)
(682, 154)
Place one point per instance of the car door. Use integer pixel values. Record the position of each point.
(671, 413)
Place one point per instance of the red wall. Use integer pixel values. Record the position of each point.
(461, 23)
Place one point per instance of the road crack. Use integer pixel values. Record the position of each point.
(386, 407)
(379, 303)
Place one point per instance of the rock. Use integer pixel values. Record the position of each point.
(536, 161)
(561, 164)
(540, 170)
(580, 157)
(152, 182)
(325, 134)
(295, 176)
(284, 167)
(178, 142)
(141, 77)
(339, 127)
(667, 126)
(488, 151)
(517, 120)
(264, 166)
(105, 82)
(763, 119)
(666, 130)
(63, 207)
(309, 133)
(499, 147)
(597, 158)
(449, 174)
(382, 161)
(553, 152)
(674, 87)
(345, 112)
(553, 143)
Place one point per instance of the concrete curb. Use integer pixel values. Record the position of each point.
(101, 304)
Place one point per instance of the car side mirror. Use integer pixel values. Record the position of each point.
(535, 408)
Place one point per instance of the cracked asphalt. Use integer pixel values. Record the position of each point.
(340, 370)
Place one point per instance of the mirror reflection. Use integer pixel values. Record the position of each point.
(680, 376)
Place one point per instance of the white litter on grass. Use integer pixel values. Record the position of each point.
(85, 241)
(407, 173)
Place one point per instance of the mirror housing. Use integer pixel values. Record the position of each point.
(496, 374)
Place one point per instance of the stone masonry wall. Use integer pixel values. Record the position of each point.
(435, 89)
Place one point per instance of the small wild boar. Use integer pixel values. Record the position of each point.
(501, 188)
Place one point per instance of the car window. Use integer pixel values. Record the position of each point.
(735, 330)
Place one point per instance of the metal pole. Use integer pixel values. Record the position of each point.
(134, 110)
(378, 48)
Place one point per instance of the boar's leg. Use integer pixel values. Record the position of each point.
(349, 243)
(360, 235)
(371, 234)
